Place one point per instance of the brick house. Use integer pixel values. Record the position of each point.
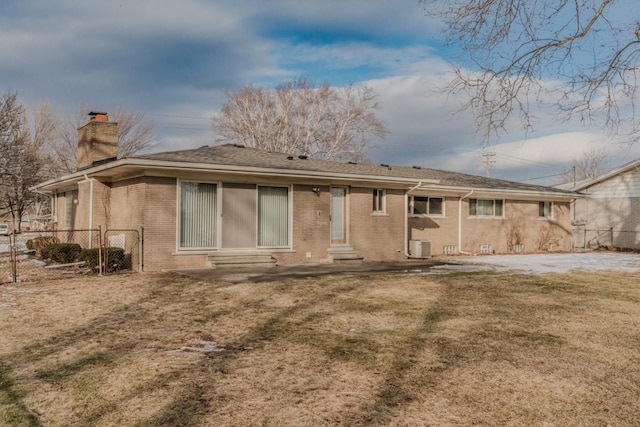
(228, 204)
(610, 212)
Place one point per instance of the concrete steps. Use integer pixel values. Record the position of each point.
(344, 255)
(241, 259)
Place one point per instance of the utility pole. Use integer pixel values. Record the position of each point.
(488, 161)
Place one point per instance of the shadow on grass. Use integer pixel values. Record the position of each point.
(15, 412)
(190, 382)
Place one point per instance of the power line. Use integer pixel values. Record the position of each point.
(528, 160)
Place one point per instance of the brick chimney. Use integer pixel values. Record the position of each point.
(97, 141)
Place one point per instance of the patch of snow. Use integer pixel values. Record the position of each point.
(559, 263)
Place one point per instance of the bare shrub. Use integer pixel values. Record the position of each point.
(547, 237)
(515, 236)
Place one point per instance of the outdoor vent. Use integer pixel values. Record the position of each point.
(485, 249)
(290, 157)
(449, 249)
(419, 249)
(302, 157)
(518, 249)
(416, 167)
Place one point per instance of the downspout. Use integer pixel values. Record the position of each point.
(460, 251)
(90, 204)
(406, 218)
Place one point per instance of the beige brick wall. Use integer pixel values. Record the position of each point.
(151, 202)
(519, 216)
(377, 237)
(311, 226)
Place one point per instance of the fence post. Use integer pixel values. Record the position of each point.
(13, 258)
(611, 230)
(100, 250)
(141, 250)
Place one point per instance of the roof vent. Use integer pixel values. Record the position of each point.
(417, 167)
(384, 165)
(290, 157)
(351, 162)
(302, 157)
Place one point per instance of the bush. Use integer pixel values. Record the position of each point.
(40, 244)
(114, 257)
(63, 253)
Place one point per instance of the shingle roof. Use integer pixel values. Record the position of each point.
(234, 155)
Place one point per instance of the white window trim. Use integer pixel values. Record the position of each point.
(289, 220)
(180, 249)
(551, 209)
(494, 216)
(428, 215)
(381, 211)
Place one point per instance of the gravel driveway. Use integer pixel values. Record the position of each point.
(559, 263)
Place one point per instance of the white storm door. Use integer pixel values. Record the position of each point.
(338, 215)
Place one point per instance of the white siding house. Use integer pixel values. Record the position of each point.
(610, 215)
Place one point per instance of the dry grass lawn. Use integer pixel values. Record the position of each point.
(399, 350)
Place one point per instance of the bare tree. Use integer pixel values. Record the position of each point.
(135, 134)
(298, 117)
(579, 57)
(590, 164)
(22, 164)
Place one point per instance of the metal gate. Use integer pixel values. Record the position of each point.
(116, 250)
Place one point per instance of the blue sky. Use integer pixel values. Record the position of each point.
(173, 61)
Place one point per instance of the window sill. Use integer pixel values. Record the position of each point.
(485, 217)
(427, 216)
(182, 252)
(379, 214)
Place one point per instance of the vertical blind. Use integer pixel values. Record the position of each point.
(273, 216)
(197, 215)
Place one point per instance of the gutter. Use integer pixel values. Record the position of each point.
(460, 251)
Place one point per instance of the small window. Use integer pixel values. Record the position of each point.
(378, 200)
(485, 207)
(545, 209)
(422, 205)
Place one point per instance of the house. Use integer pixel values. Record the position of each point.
(229, 204)
(610, 214)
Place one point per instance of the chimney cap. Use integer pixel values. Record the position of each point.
(99, 115)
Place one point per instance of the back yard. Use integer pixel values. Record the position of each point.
(460, 349)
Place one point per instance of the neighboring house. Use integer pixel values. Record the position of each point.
(226, 203)
(610, 214)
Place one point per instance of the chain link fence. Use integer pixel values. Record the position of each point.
(587, 238)
(86, 251)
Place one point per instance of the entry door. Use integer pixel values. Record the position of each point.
(338, 215)
(238, 216)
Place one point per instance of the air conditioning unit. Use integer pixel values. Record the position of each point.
(419, 249)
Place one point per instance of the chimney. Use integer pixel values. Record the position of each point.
(97, 141)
